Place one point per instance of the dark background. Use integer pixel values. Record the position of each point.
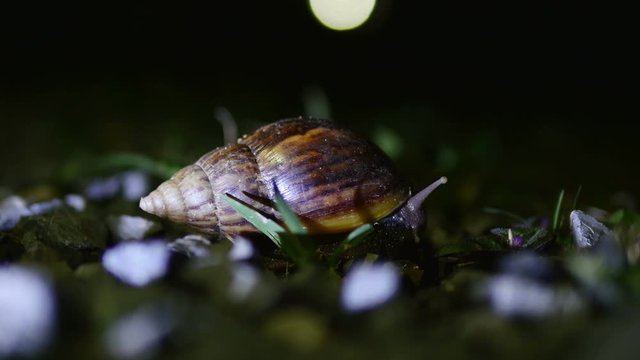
(546, 93)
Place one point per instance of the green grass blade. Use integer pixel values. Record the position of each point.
(267, 226)
(575, 199)
(289, 217)
(354, 238)
(357, 235)
(556, 214)
(91, 166)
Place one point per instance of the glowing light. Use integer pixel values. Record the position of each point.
(342, 14)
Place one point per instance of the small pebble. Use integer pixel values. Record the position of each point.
(191, 246)
(596, 239)
(138, 263)
(368, 285)
(587, 231)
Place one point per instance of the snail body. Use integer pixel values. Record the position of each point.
(333, 179)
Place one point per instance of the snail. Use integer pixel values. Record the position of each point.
(332, 178)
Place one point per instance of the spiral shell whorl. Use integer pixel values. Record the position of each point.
(186, 198)
(334, 180)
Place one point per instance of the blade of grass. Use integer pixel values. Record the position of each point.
(575, 199)
(137, 161)
(295, 243)
(354, 238)
(297, 247)
(90, 166)
(556, 214)
(290, 218)
(357, 235)
(267, 226)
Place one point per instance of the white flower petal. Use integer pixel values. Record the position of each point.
(27, 311)
(102, 189)
(512, 295)
(11, 210)
(75, 201)
(135, 184)
(45, 206)
(243, 280)
(126, 227)
(138, 334)
(137, 263)
(242, 249)
(368, 285)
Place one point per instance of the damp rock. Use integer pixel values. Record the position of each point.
(138, 263)
(63, 234)
(126, 227)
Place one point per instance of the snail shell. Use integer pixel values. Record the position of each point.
(332, 178)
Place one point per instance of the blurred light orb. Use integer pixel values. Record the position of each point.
(342, 14)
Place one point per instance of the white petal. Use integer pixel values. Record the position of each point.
(512, 295)
(369, 285)
(137, 263)
(27, 311)
(135, 184)
(126, 227)
(243, 280)
(45, 206)
(75, 201)
(138, 334)
(242, 249)
(11, 210)
(102, 189)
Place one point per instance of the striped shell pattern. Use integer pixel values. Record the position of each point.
(333, 179)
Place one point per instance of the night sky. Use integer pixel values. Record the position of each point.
(63, 63)
(550, 57)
